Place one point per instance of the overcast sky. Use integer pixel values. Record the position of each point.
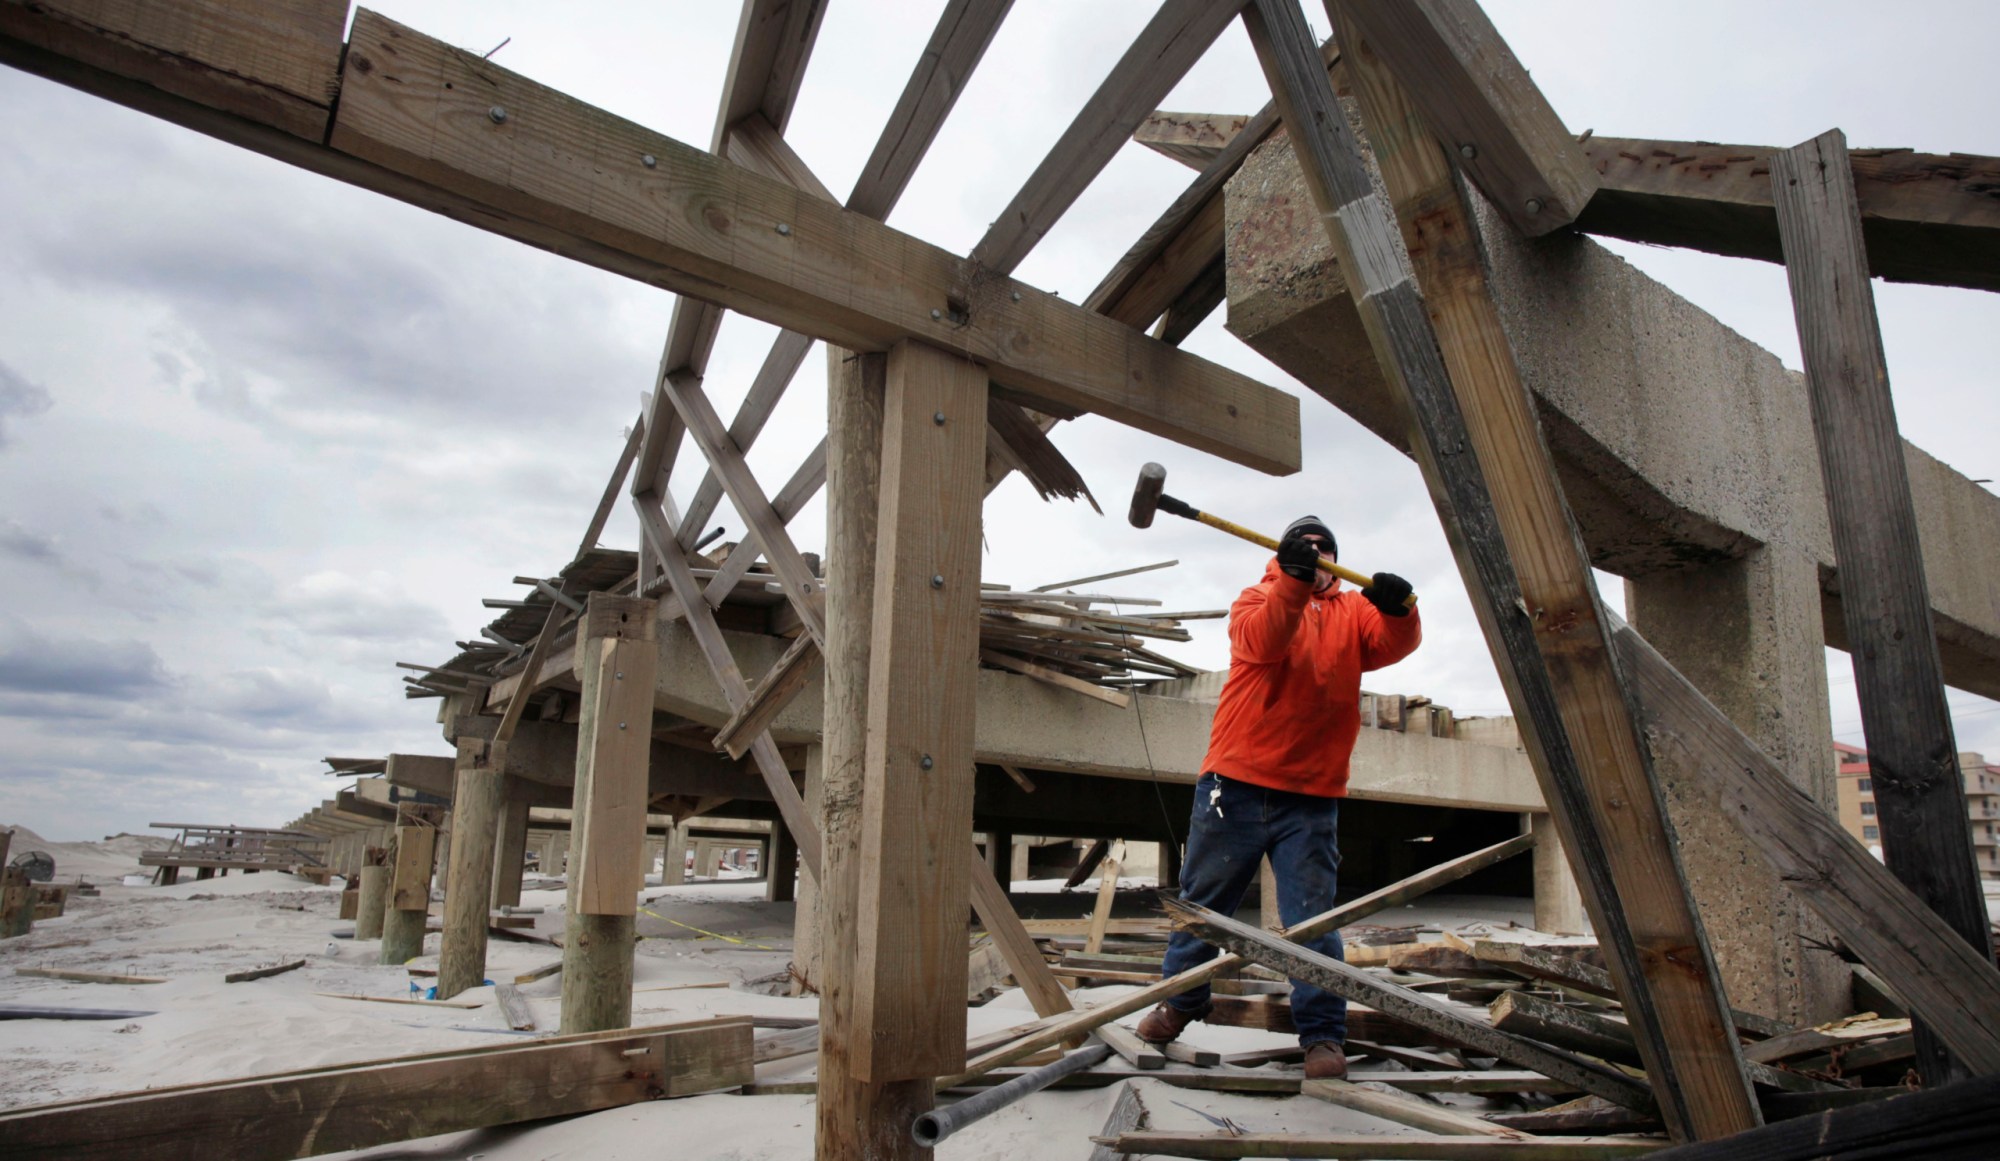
(262, 435)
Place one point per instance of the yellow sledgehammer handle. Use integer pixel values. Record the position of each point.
(1358, 580)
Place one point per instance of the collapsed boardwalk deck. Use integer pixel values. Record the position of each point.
(209, 848)
(948, 374)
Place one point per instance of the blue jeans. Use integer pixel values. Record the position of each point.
(1227, 838)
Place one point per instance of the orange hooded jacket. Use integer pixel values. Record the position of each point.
(1291, 706)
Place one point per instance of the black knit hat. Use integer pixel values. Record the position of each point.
(1313, 526)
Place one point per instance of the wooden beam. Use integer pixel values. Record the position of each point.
(1128, 1114)
(767, 64)
(1955, 1120)
(409, 899)
(1179, 33)
(708, 637)
(1024, 959)
(923, 663)
(1404, 1109)
(1925, 217)
(1912, 753)
(1493, 482)
(1944, 979)
(1107, 894)
(1396, 894)
(857, 1117)
(1275, 951)
(475, 832)
(275, 64)
(1151, 1142)
(1567, 971)
(1193, 139)
(380, 1102)
(1479, 101)
(787, 678)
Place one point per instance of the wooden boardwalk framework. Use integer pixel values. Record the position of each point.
(947, 374)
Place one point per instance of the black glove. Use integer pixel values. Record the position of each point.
(1298, 558)
(1387, 592)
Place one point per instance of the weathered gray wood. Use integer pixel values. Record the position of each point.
(1912, 753)
(380, 1102)
(1136, 1052)
(513, 1007)
(1537, 963)
(1161, 54)
(1493, 482)
(476, 804)
(1274, 951)
(1404, 1109)
(373, 902)
(1128, 1114)
(1380, 1148)
(1956, 1121)
(1936, 970)
(1476, 96)
(1926, 217)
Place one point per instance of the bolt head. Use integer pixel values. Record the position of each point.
(925, 762)
(936, 313)
(938, 419)
(496, 114)
(648, 160)
(619, 676)
(1016, 296)
(937, 580)
(1468, 151)
(1534, 205)
(784, 231)
(621, 725)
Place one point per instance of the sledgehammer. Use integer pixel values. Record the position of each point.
(1150, 496)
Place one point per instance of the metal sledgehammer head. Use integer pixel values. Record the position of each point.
(1146, 497)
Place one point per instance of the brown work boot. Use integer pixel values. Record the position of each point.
(1166, 1022)
(1325, 1061)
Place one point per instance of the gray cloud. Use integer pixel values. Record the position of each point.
(31, 663)
(18, 399)
(22, 543)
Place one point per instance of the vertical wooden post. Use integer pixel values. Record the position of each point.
(617, 651)
(374, 893)
(673, 859)
(409, 894)
(858, 1118)
(476, 802)
(781, 869)
(1493, 481)
(923, 662)
(1912, 753)
(17, 902)
(510, 853)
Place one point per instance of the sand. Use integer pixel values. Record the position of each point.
(205, 1029)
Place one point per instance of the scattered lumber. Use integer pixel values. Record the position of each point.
(40, 1012)
(1403, 1108)
(82, 977)
(1379, 1148)
(1128, 1114)
(541, 973)
(1839, 1033)
(377, 1102)
(1955, 1120)
(402, 1000)
(263, 973)
(514, 1008)
(1136, 1052)
(786, 1044)
(1357, 985)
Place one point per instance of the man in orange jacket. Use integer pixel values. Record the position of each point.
(1276, 768)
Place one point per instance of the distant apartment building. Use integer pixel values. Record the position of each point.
(1982, 802)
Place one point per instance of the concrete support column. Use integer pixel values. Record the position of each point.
(557, 861)
(673, 860)
(1748, 634)
(781, 864)
(510, 853)
(1558, 900)
(478, 800)
(1017, 862)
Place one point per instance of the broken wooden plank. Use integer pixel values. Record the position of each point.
(1376, 1146)
(1925, 217)
(1136, 1052)
(1128, 1113)
(788, 677)
(1823, 1037)
(1048, 676)
(989, 901)
(83, 977)
(1955, 1120)
(1107, 894)
(1403, 1109)
(379, 1102)
(1357, 985)
(402, 1000)
(1493, 481)
(1936, 971)
(514, 1008)
(1193, 139)
(1899, 678)
(1538, 963)
(263, 973)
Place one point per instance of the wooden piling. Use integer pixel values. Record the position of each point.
(476, 805)
(374, 893)
(409, 900)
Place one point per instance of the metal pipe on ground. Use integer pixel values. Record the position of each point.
(934, 1126)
